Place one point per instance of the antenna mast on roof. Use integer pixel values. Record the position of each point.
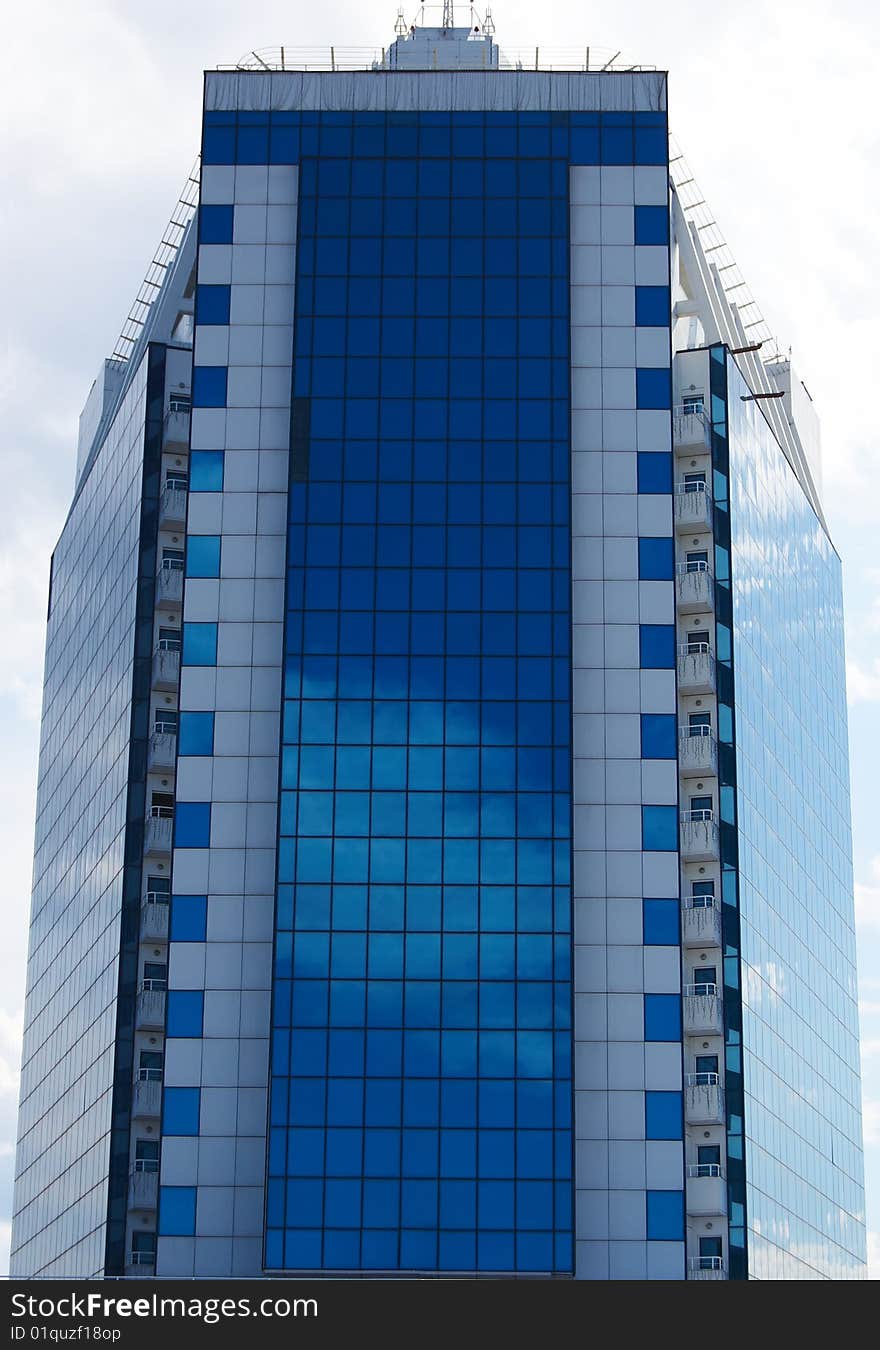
(448, 15)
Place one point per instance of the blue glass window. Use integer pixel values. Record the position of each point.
(662, 1017)
(218, 145)
(655, 472)
(212, 305)
(185, 1012)
(203, 555)
(189, 918)
(653, 388)
(209, 387)
(206, 471)
(215, 224)
(656, 646)
(660, 923)
(653, 308)
(652, 227)
(665, 1216)
(199, 644)
(663, 1115)
(656, 559)
(192, 825)
(180, 1110)
(195, 734)
(659, 824)
(177, 1211)
(659, 736)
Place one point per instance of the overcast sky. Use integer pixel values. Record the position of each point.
(774, 107)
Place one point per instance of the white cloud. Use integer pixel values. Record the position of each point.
(867, 898)
(863, 682)
(871, 1123)
(873, 1255)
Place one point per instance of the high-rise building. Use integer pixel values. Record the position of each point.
(443, 837)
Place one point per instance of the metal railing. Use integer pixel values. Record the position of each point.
(705, 1263)
(702, 1079)
(141, 1258)
(682, 410)
(169, 645)
(172, 565)
(146, 1164)
(162, 728)
(693, 649)
(704, 814)
(700, 902)
(149, 1075)
(162, 812)
(155, 986)
(698, 729)
(158, 897)
(377, 58)
(705, 1170)
(688, 568)
(690, 489)
(706, 990)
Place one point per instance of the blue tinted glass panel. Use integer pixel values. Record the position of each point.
(192, 824)
(662, 1017)
(660, 923)
(195, 734)
(656, 559)
(653, 388)
(212, 304)
(199, 644)
(655, 472)
(209, 387)
(665, 1216)
(659, 823)
(177, 1211)
(185, 1012)
(180, 1110)
(215, 224)
(663, 1115)
(203, 555)
(189, 918)
(206, 471)
(656, 646)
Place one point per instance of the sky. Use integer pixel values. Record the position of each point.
(774, 107)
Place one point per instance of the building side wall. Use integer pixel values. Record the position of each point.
(60, 1208)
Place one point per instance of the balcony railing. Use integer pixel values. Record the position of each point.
(703, 1015)
(172, 506)
(690, 431)
(157, 832)
(169, 583)
(695, 588)
(701, 922)
(696, 668)
(146, 1103)
(154, 920)
(705, 1170)
(166, 667)
(706, 1268)
(693, 506)
(699, 836)
(176, 431)
(697, 751)
(702, 1079)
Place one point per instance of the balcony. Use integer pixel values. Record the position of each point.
(706, 1268)
(701, 924)
(150, 1010)
(172, 508)
(143, 1189)
(162, 751)
(703, 1099)
(695, 588)
(166, 668)
(693, 507)
(176, 431)
(140, 1265)
(697, 752)
(699, 836)
(706, 1193)
(696, 668)
(146, 1099)
(690, 432)
(154, 920)
(157, 831)
(169, 584)
(703, 1010)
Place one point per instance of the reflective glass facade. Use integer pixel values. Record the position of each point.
(800, 1061)
(421, 1104)
(61, 1191)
